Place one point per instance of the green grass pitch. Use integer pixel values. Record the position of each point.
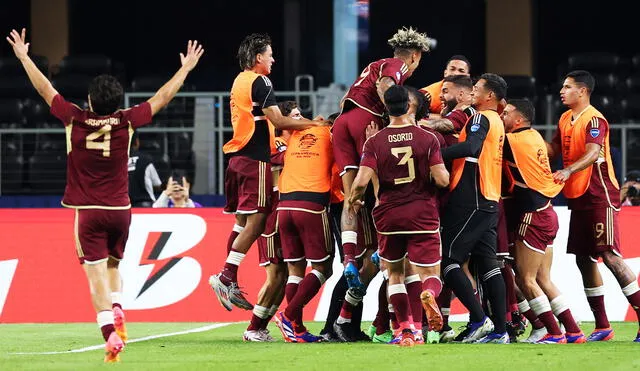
(223, 349)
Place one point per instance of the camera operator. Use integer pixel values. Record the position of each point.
(630, 192)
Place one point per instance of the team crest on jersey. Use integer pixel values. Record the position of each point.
(594, 132)
(307, 141)
(474, 128)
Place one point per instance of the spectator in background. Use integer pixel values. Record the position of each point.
(176, 194)
(630, 191)
(143, 176)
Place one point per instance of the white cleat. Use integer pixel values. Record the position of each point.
(536, 335)
(257, 336)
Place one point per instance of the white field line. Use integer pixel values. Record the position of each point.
(150, 337)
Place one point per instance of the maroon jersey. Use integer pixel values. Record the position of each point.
(458, 118)
(364, 94)
(602, 191)
(98, 154)
(402, 157)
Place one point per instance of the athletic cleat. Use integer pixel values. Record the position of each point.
(236, 296)
(375, 258)
(112, 349)
(446, 335)
(343, 332)
(118, 323)
(371, 331)
(434, 317)
(478, 330)
(495, 338)
(307, 337)
(601, 334)
(329, 337)
(536, 335)
(352, 275)
(418, 337)
(433, 337)
(637, 340)
(221, 290)
(361, 336)
(385, 337)
(575, 337)
(260, 336)
(464, 331)
(404, 339)
(519, 323)
(552, 339)
(286, 327)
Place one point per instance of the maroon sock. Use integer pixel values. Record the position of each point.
(535, 322)
(381, 322)
(599, 313)
(413, 293)
(349, 250)
(400, 301)
(394, 320)
(232, 237)
(510, 286)
(116, 305)
(255, 324)
(570, 325)
(444, 303)
(434, 284)
(550, 323)
(291, 288)
(309, 287)
(107, 330)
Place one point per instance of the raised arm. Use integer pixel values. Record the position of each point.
(169, 90)
(286, 123)
(37, 78)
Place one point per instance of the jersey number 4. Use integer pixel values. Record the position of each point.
(105, 144)
(407, 160)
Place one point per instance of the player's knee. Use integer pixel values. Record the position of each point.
(487, 266)
(448, 265)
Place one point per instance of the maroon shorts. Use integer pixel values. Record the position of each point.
(247, 186)
(305, 231)
(269, 250)
(592, 232)
(367, 239)
(101, 234)
(507, 222)
(349, 135)
(538, 229)
(423, 249)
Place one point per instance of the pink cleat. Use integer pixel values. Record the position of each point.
(114, 346)
(118, 322)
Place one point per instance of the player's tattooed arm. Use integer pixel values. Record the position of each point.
(384, 83)
(442, 125)
(356, 195)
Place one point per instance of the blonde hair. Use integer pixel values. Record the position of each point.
(409, 38)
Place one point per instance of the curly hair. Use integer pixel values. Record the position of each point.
(409, 39)
(251, 46)
(106, 94)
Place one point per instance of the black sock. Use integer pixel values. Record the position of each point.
(496, 292)
(337, 297)
(455, 278)
(356, 318)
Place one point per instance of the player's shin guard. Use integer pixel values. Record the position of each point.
(493, 285)
(595, 297)
(414, 288)
(232, 236)
(542, 309)
(529, 314)
(399, 299)
(230, 270)
(560, 309)
(632, 292)
(257, 318)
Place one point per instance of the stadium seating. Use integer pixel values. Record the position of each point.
(12, 168)
(91, 65)
(72, 86)
(595, 62)
(521, 86)
(48, 168)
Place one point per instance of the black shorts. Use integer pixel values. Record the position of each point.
(468, 232)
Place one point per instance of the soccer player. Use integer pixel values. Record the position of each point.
(363, 104)
(593, 196)
(471, 216)
(247, 179)
(456, 65)
(303, 223)
(525, 154)
(405, 158)
(269, 248)
(98, 141)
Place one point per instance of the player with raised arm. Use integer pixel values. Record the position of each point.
(362, 105)
(248, 179)
(98, 143)
(456, 65)
(593, 196)
(406, 159)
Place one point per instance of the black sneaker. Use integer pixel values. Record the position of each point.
(343, 332)
(361, 336)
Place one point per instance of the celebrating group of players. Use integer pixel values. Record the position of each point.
(445, 190)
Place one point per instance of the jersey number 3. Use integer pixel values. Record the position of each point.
(104, 144)
(406, 159)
